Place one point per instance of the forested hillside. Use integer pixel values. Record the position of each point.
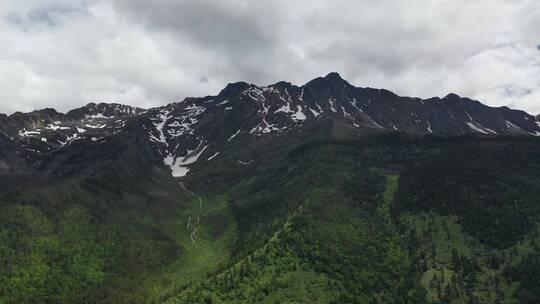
(378, 219)
(360, 224)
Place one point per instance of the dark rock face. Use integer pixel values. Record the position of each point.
(181, 134)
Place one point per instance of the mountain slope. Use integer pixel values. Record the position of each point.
(350, 222)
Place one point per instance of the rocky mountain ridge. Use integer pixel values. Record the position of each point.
(179, 134)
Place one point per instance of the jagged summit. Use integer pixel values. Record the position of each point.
(332, 78)
(452, 96)
(105, 109)
(233, 88)
(335, 77)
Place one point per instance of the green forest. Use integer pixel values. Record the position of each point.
(380, 219)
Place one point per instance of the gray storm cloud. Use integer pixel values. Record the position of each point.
(62, 54)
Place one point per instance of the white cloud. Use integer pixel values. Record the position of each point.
(62, 54)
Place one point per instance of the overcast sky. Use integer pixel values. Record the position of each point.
(66, 53)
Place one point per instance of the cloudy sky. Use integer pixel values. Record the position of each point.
(66, 53)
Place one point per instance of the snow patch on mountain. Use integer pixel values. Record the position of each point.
(299, 115)
(315, 113)
(101, 126)
(185, 120)
(69, 139)
(179, 165)
(285, 108)
(159, 124)
(96, 116)
(475, 128)
(25, 133)
(428, 127)
(234, 135)
(332, 102)
(263, 126)
(245, 163)
(56, 126)
(345, 113)
(213, 156)
(512, 127)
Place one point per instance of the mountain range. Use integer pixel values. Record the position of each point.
(320, 193)
(179, 134)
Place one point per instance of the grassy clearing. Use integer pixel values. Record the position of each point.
(210, 250)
